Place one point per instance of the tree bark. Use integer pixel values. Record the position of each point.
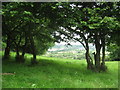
(24, 47)
(97, 61)
(34, 56)
(17, 51)
(7, 49)
(33, 50)
(103, 67)
(88, 59)
(7, 52)
(103, 50)
(23, 53)
(18, 56)
(98, 48)
(89, 63)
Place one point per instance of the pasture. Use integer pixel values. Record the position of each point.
(57, 73)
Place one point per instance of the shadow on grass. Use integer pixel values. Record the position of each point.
(50, 65)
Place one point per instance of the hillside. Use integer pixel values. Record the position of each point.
(69, 52)
(61, 47)
(57, 73)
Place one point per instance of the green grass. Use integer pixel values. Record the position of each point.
(57, 73)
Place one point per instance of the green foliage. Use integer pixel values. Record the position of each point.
(37, 26)
(57, 73)
(21, 20)
(114, 51)
(42, 46)
(3, 45)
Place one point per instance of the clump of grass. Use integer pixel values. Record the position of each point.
(57, 73)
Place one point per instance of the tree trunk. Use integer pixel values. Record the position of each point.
(24, 47)
(34, 56)
(7, 49)
(7, 52)
(98, 48)
(97, 61)
(17, 51)
(103, 67)
(17, 55)
(33, 61)
(89, 62)
(103, 49)
(23, 53)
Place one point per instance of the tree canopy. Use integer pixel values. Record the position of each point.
(33, 27)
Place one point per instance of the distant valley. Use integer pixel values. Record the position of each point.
(64, 51)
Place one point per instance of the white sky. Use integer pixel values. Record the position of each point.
(72, 43)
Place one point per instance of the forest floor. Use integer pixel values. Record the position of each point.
(57, 73)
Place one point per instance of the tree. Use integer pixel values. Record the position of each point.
(23, 26)
(45, 25)
(93, 24)
(114, 50)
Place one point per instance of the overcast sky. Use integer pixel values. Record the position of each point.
(72, 43)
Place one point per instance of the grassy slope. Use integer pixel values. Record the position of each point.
(58, 73)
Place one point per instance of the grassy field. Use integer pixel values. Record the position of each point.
(57, 73)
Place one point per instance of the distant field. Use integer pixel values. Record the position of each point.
(71, 52)
(57, 73)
